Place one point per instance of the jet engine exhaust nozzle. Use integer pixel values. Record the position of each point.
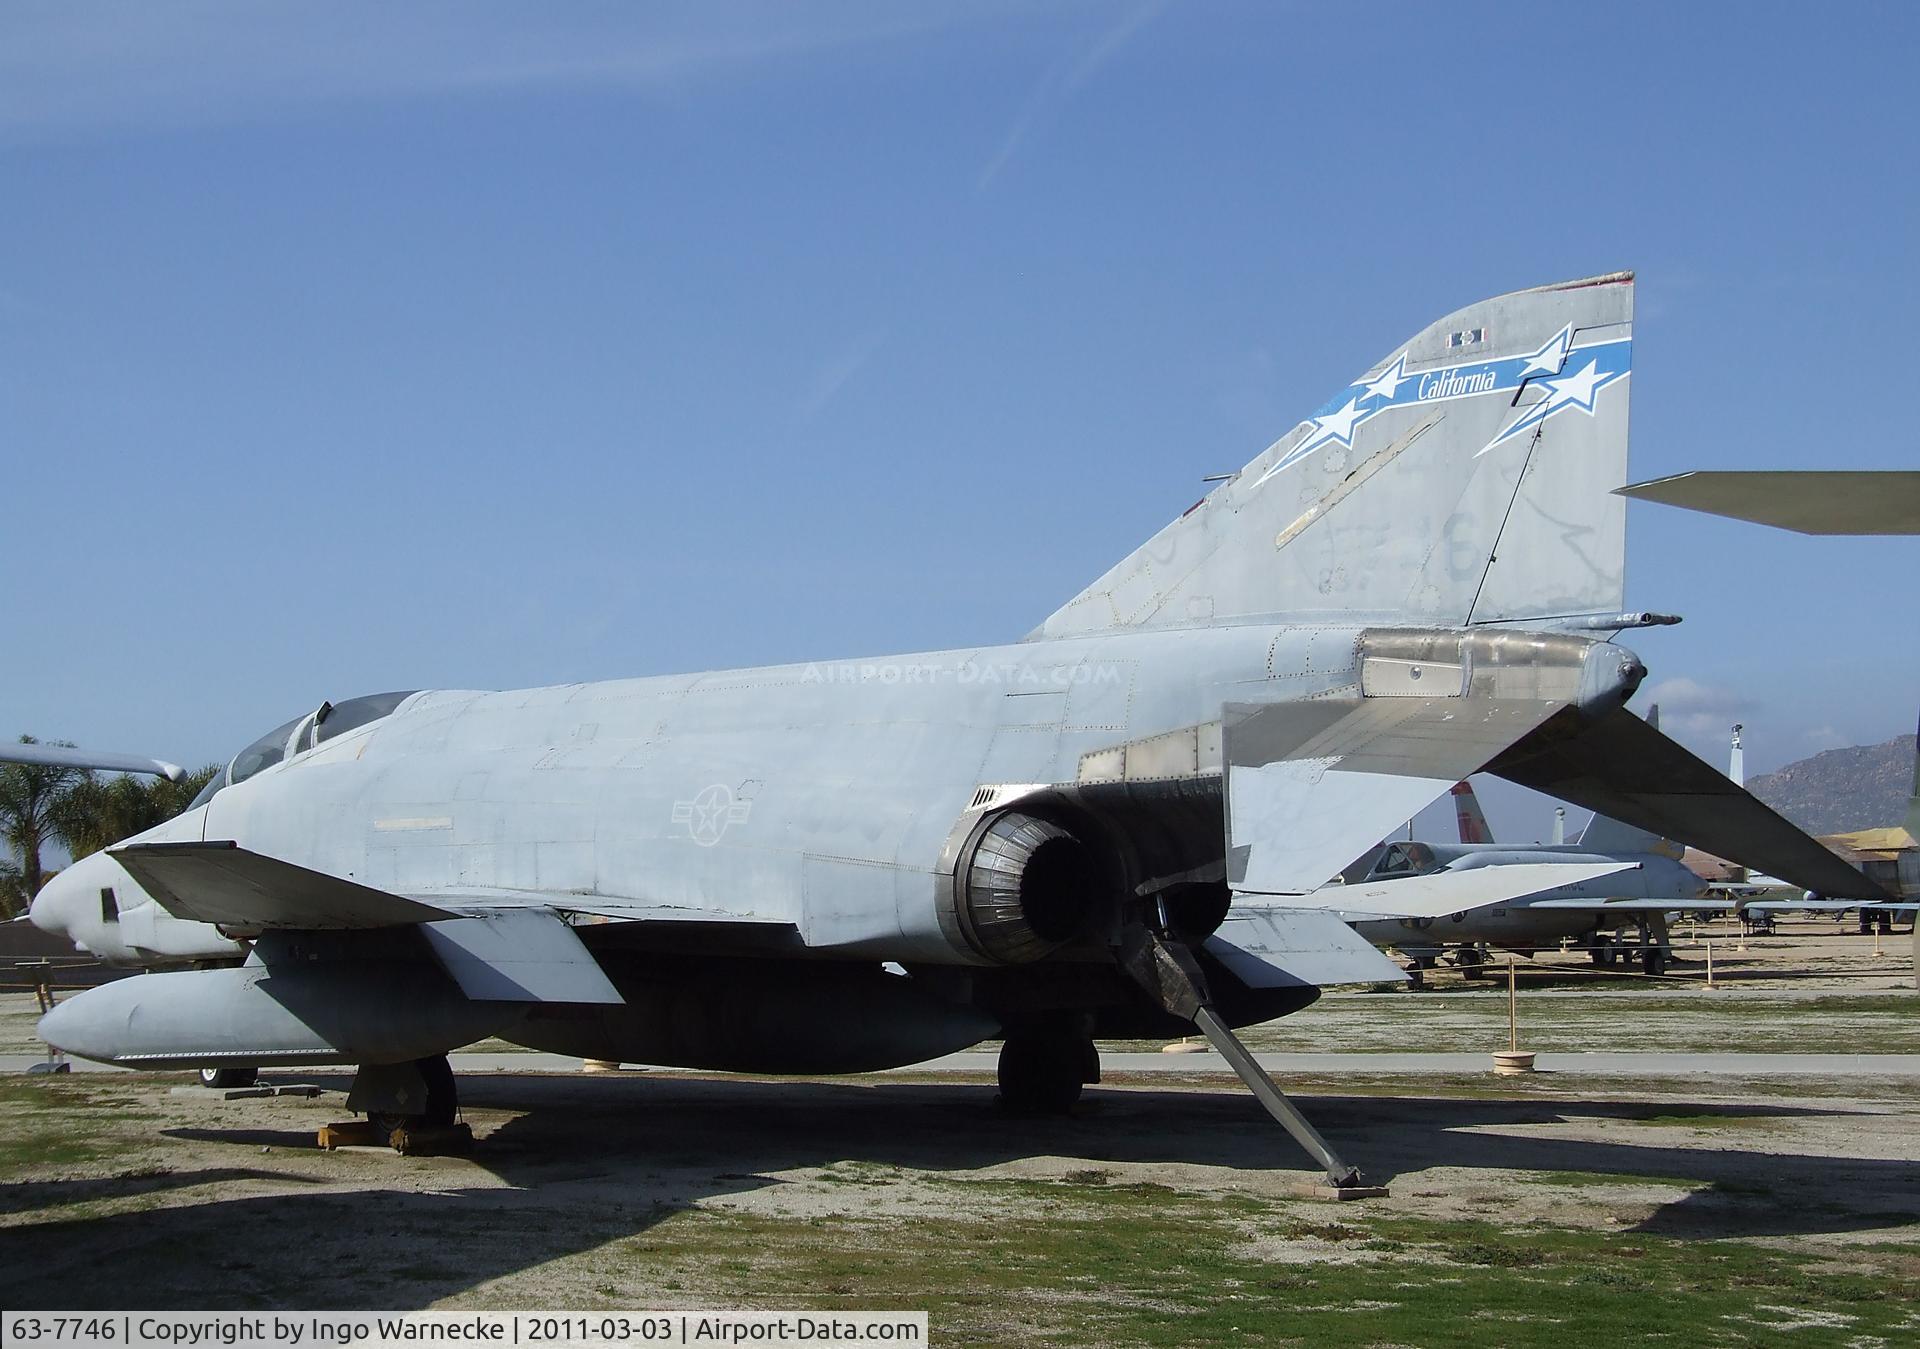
(1028, 888)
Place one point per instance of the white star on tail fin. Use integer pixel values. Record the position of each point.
(1550, 358)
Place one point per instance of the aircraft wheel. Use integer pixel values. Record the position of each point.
(1041, 1073)
(1602, 954)
(244, 1076)
(442, 1105)
(1654, 960)
(443, 1097)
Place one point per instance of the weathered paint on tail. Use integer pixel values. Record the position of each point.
(1465, 479)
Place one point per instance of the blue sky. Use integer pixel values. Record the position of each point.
(349, 347)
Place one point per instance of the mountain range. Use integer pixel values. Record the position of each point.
(1841, 790)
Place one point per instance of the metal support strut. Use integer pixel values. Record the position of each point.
(1170, 975)
(1267, 1091)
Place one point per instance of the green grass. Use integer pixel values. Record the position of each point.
(52, 1122)
(1098, 1258)
(1143, 1264)
(1460, 1020)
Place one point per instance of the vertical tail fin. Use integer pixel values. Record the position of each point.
(1737, 759)
(1467, 815)
(1466, 478)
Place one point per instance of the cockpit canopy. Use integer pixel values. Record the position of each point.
(1404, 859)
(302, 734)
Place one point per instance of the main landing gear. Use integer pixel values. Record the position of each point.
(1168, 973)
(411, 1107)
(243, 1075)
(1652, 946)
(1043, 1067)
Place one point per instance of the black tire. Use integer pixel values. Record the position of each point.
(1041, 1074)
(1653, 960)
(443, 1097)
(442, 1106)
(220, 1078)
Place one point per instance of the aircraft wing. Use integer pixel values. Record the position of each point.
(1619, 766)
(61, 756)
(1447, 892)
(248, 892)
(1633, 905)
(1809, 501)
(1276, 948)
(519, 955)
(1312, 784)
(225, 884)
(1829, 905)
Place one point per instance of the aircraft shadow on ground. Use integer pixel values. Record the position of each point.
(590, 1161)
(27, 1195)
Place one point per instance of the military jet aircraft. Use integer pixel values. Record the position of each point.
(1655, 884)
(1121, 825)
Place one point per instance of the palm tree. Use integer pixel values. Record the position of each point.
(95, 813)
(13, 895)
(28, 794)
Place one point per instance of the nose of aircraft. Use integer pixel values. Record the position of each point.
(52, 909)
(70, 903)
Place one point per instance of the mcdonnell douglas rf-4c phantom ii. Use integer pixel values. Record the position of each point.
(1122, 825)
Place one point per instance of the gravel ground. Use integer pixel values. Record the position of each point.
(654, 1189)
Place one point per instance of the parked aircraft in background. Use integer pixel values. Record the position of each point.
(1120, 826)
(1652, 884)
(1885, 855)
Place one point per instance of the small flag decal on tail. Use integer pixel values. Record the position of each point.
(1467, 337)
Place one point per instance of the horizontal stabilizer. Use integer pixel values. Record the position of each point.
(1809, 501)
(1271, 948)
(1448, 892)
(223, 883)
(1620, 766)
(519, 955)
(1313, 784)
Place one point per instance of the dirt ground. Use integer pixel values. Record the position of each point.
(1166, 1210)
(671, 1189)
